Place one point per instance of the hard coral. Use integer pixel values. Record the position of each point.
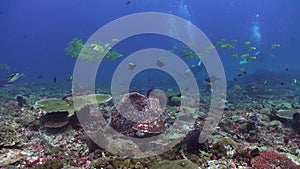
(57, 111)
(72, 103)
(272, 159)
(136, 112)
(139, 108)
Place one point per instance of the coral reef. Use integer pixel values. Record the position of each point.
(178, 164)
(272, 159)
(50, 164)
(223, 147)
(136, 112)
(8, 136)
(252, 132)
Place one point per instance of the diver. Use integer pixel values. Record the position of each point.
(128, 2)
(196, 69)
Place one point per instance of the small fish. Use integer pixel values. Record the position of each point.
(131, 66)
(221, 41)
(251, 48)
(196, 68)
(251, 58)
(128, 2)
(257, 53)
(265, 83)
(238, 87)
(295, 81)
(234, 41)
(276, 45)
(246, 43)
(97, 47)
(241, 69)
(54, 80)
(107, 46)
(282, 83)
(240, 75)
(227, 46)
(243, 56)
(286, 69)
(160, 63)
(70, 79)
(211, 47)
(13, 77)
(115, 40)
(234, 55)
(242, 62)
(205, 83)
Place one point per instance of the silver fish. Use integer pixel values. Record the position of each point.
(13, 77)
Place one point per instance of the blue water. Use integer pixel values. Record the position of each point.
(34, 33)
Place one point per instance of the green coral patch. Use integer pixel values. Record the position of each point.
(58, 105)
(52, 105)
(81, 101)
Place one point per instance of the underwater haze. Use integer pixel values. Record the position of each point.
(35, 33)
(246, 56)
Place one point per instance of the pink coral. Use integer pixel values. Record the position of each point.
(269, 159)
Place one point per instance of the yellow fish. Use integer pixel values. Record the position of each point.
(234, 41)
(211, 47)
(231, 46)
(243, 56)
(276, 45)
(227, 45)
(234, 55)
(238, 87)
(246, 43)
(221, 41)
(241, 69)
(251, 58)
(251, 48)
